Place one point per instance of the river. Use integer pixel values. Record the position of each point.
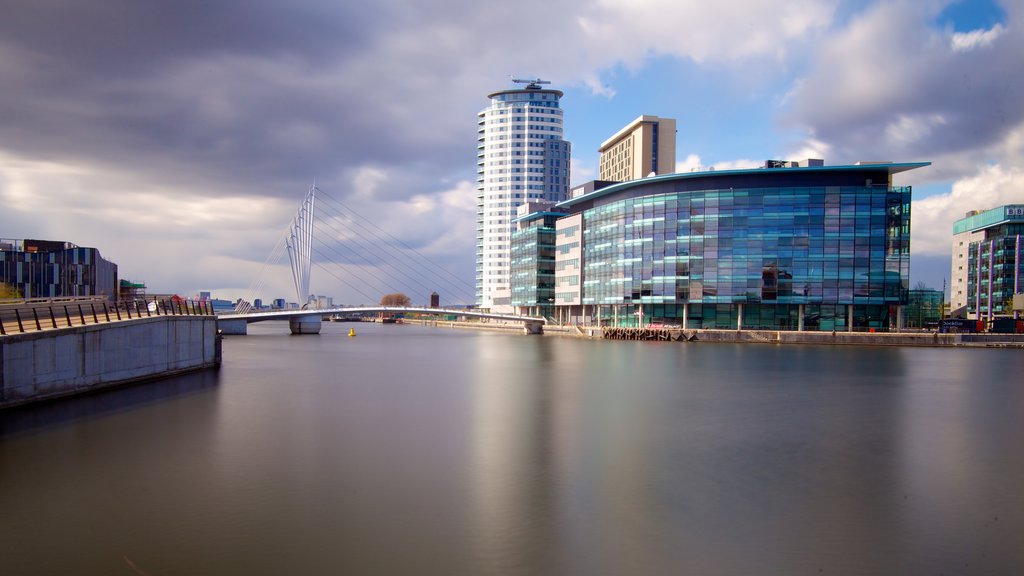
(418, 450)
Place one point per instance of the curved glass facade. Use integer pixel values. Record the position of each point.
(817, 257)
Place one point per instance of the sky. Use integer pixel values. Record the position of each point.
(179, 138)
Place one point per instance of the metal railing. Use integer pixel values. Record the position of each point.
(26, 316)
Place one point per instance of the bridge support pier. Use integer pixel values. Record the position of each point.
(305, 324)
(237, 327)
(533, 327)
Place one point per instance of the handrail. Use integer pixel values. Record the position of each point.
(57, 314)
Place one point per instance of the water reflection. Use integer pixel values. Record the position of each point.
(954, 461)
(418, 450)
(41, 416)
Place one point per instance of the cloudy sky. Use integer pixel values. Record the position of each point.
(179, 138)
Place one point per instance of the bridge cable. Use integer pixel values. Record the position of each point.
(412, 276)
(343, 281)
(403, 285)
(382, 283)
(257, 285)
(458, 282)
(397, 263)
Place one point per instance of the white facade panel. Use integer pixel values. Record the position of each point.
(521, 156)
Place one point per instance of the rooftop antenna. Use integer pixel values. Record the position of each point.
(531, 83)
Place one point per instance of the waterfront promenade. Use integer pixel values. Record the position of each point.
(905, 338)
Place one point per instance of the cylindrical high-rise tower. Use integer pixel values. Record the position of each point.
(521, 157)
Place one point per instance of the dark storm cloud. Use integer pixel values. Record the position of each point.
(263, 92)
(128, 37)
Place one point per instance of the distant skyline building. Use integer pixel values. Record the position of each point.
(644, 147)
(987, 267)
(521, 157)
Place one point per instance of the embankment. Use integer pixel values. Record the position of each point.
(754, 336)
(54, 363)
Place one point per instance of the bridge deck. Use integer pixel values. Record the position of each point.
(250, 317)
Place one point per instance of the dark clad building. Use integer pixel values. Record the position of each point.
(54, 269)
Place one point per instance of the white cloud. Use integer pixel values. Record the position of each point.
(907, 130)
(689, 164)
(887, 85)
(811, 148)
(629, 31)
(932, 217)
(742, 164)
(367, 180)
(693, 163)
(596, 86)
(967, 41)
(176, 240)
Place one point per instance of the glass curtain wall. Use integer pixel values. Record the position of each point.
(842, 253)
(533, 267)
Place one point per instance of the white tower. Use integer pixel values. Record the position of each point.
(521, 156)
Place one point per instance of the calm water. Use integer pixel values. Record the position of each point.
(411, 450)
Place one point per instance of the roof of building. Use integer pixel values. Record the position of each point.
(889, 167)
(629, 128)
(988, 218)
(558, 93)
(536, 215)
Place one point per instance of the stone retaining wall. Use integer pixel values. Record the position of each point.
(43, 365)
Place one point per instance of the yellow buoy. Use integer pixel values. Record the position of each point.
(351, 331)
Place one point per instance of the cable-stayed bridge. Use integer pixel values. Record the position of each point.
(309, 321)
(364, 257)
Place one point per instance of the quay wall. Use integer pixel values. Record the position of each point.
(753, 336)
(53, 363)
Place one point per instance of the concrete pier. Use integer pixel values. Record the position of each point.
(533, 327)
(235, 327)
(54, 363)
(305, 324)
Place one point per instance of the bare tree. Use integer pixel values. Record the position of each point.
(396, 299)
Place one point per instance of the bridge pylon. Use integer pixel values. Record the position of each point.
(300, 246)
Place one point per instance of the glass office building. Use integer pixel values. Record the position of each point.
(987, 265)
(533, 263)
(924, 308)
(789, 246)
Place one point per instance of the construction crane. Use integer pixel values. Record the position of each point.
(533, 84)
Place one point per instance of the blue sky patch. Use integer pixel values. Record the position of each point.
(967, 15)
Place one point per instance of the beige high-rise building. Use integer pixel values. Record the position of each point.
(644, 146)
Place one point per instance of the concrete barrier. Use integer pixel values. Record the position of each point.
(43, 365)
